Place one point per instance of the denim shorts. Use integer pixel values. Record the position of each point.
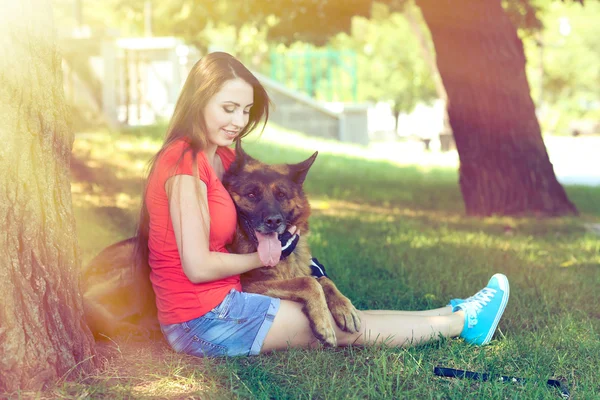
(236, 327)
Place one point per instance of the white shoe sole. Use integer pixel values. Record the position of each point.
(503, 283)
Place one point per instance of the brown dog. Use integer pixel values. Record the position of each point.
(269, 199)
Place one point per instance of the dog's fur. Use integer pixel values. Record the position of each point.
(116, 300)
(277, 195)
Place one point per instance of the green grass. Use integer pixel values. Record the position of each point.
(392, 236)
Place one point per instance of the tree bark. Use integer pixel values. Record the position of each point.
(504, 166)
(43, 334)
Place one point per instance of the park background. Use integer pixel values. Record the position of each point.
(360, 83)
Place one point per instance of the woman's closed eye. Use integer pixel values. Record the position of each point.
(231, 110)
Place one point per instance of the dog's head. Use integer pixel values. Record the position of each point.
(269, 198)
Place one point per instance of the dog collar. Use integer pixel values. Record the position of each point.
(317, 269)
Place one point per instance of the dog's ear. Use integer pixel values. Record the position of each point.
(298, 171)
(241, 157)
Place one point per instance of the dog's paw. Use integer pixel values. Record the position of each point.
(346, 316)
(353, 321)
(325, 333)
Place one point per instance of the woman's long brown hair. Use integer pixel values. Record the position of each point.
(205, 80)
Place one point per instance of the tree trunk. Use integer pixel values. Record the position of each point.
(504, 166)
(43, 334)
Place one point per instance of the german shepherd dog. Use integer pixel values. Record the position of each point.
(269, 199)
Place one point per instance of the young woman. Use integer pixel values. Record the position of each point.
(188, 218)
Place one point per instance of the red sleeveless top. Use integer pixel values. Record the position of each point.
(177, 298)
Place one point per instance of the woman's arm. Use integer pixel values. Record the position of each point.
(188, 206)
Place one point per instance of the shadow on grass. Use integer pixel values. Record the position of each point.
(585, 198)
(106, 187)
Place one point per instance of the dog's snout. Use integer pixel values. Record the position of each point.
(273, 221)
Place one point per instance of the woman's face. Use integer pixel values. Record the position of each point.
(228, 112)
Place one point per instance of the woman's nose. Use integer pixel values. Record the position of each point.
(239, 119)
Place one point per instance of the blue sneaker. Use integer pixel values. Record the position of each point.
(454, 302)
(484, 310)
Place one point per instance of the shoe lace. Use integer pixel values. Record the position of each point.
(474, 304)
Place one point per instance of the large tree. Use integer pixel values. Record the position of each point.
(504, 165)
(43, 334)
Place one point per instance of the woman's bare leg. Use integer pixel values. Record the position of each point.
(291, 328)
(399, 329)
(426, 313)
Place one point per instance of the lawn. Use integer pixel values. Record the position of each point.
(393, 235)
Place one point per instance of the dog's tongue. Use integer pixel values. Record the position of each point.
(269, 248)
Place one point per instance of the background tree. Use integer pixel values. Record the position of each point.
(389, 69)
(43, 335)
(504, 165)
(564, 65)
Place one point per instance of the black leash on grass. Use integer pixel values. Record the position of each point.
(459, 373)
